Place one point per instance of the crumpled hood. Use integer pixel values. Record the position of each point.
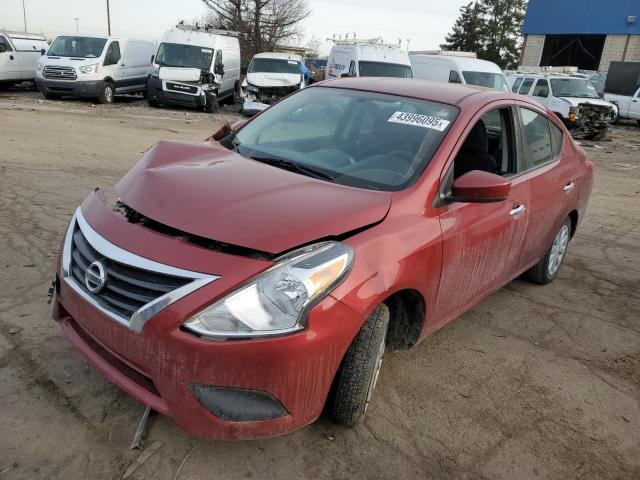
(593, 101)
(179, 74)
(266, 79)
(206, 190)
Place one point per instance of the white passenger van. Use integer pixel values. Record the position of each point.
(458, 67)
(367, 58)
(270, 77)
(19, 53)
(95, 66)
(195, 66)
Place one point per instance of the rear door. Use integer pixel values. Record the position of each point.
(551, 179)
(481, 241)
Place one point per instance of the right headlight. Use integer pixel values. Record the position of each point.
(277, 301)
(155, 71)
(252, 88)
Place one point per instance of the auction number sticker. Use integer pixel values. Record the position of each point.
(417, 120)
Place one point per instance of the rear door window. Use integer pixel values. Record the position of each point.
(541, 89)
(526, 86)
(454, 77)
(557, 138)
(5, 42)
(536, 138)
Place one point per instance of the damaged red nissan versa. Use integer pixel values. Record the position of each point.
(244, 284)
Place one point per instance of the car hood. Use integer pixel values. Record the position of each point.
(266, 79)
(209, 191)
(179, 74)
(574, 101)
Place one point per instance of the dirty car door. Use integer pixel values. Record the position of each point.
(482, 241)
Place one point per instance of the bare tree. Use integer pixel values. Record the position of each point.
(261, 24)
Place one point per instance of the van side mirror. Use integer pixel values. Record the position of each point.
(243, 70)
(153, 57)
(477, 186)
(219, 70)
(42, 52)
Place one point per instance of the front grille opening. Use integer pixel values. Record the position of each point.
(136, 217)
(140, 379)
(127, 288)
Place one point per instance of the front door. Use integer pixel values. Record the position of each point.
(634, 106)
(481, 241)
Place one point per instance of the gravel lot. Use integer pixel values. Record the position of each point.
(536, 382)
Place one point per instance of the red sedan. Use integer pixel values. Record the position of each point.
(243, 284)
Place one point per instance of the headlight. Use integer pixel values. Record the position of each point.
(93, 68)
(574, 113)
(39, 66)
(252, 88)
(278, 300)
(155, 71)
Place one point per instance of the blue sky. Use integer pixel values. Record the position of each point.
(425, 22)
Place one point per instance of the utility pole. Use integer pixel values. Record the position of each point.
(24, 14)
(108, 19)
(77, 24)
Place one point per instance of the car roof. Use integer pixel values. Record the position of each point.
(278, 55)
(461, 62)
(451, 93)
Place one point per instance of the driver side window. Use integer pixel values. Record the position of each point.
(5, 43)
(113, 54)
(489, 145)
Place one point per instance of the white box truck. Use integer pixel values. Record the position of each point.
(96, 66)
(19, 53)
(367, 58)
(195, 66)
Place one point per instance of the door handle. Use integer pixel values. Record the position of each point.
(569, 186)
(634, 101)
(10, 57)
(517, 210)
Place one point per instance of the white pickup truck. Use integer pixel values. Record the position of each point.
(628, 105)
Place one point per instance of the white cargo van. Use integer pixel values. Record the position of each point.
(367, 58)
(458, 67)
(195, 66)
(270, 77)
(19, 53)
(94, 66)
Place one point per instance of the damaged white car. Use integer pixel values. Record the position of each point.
(270, 77)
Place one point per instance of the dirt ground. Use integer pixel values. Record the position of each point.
(536, 382)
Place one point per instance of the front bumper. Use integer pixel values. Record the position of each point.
(75, 88)
(157, 92)
(161, 365)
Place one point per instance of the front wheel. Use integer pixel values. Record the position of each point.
(547, 269)
(358, 374)
(107, 93)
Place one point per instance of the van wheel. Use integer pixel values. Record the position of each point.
(358, 374)
(212, 105)
(152, 103)
(547, 269)
(51, 96)
(107, 93)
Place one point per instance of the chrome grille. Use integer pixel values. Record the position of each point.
(126, 288)
(59, 72)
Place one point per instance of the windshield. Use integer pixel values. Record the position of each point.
(185, 56)
(274, 65)
(381, 69)
(486, 79)
(362, 139)
(81, 47)
(573, 87)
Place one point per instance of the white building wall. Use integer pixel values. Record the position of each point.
(613, 50)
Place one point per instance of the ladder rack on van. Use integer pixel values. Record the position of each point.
(207, 29)
(562, 71)
(363, 41)
(24, 35)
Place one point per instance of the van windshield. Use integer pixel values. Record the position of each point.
(274, 65)
(486, 79)
(81, 47)
(184, 56)
(361, 139)
(573, 87)
(382, 69)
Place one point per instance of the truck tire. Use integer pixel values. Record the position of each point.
(51, 96)
(356, 379)
(212, 105)
(547, 269)
(107, 93)
(152, 103)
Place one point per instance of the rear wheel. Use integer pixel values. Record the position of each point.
(358, 374)
(547, 269)
(107, 93)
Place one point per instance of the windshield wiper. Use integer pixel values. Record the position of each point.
(293, 167)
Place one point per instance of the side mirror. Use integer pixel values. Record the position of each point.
(219, 70)
(220, 133)
(42, 52)
(153, 57)
(477, 186)
(243, 70)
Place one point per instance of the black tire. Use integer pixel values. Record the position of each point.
(212, 105)
(51, 96)
(152, 103)
(638, 122)
(542, 273)
(233, 98)
(615, 120)
(356, 379)
(107, 93)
